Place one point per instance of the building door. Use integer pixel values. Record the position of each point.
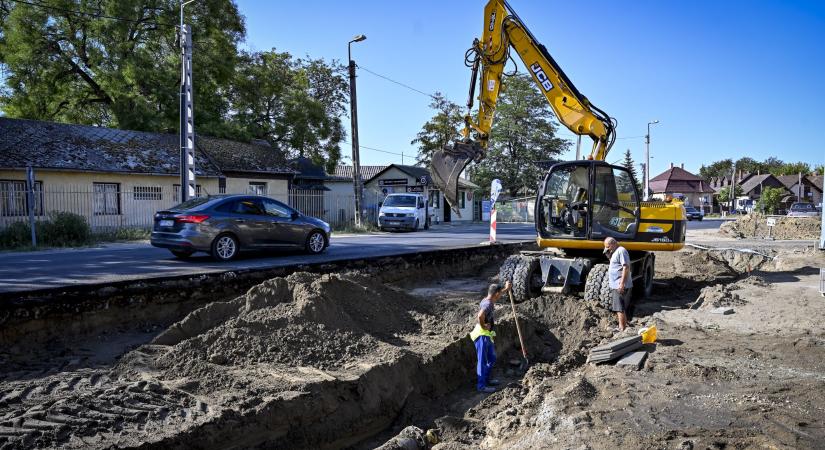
(447, 210)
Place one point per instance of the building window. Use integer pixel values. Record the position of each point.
(148, 193)
(257, 187)
(177, 191)
(434, 199)
(222, 185)
(15, 201)
(461, 199)
(107, 199)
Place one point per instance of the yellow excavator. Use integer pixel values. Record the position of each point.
(579, 203)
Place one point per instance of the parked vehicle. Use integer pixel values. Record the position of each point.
(802, 209)
(404, 212)
(223, 226)
(693, 213)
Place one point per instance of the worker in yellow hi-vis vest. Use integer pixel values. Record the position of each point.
(483, 335)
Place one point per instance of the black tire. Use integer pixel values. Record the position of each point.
(225, 247)
(525, 284)
(417, 224)
(316, 242)
(505, 272)
(645, 287)
(700, 219)
(181, 254)
(597, 286)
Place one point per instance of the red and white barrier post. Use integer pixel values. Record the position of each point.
(493, 224)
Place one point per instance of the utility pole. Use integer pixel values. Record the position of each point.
(578, 147)
(187, 116)
(356, 158)
(647, 159)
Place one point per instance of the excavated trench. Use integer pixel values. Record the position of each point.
(312, 361)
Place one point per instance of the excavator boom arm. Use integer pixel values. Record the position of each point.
(504, 31)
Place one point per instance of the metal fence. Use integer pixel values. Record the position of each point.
(105, 207)
(516, 210)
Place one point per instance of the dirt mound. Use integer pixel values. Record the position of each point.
(755, 226)
(324, 322)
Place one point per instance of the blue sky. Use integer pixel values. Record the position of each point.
(725, 79)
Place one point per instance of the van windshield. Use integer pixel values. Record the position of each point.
(400, 200)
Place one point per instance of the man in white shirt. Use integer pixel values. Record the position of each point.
(620, 279)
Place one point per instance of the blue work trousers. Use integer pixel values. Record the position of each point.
(486, 355)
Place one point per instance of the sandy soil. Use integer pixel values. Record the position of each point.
(347, 360)
(751, 379)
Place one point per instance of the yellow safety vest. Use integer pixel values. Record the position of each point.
(478, 332)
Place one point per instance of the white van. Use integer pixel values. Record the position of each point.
(404, 212)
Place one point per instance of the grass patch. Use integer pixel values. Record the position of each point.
(351, 229)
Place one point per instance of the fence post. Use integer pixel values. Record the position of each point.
(30, 202)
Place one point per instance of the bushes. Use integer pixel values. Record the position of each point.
(62, 229)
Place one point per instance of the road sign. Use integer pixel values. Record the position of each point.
(415, 189)
(771, 221)
(424, 179)
(495, 189)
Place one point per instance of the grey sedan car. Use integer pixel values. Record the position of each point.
(223, 226)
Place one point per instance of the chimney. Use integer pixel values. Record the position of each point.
(682, 165)
(671, 165)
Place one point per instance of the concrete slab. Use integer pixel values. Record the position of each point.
(608, 356)
(723, 310)
(616, 345)
(633, 360)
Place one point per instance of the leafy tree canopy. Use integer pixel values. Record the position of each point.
(523, 133)
(441, 130)
(64, 62)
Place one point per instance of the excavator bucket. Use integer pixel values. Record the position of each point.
(446, 166)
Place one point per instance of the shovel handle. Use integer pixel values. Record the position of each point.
(518, 328)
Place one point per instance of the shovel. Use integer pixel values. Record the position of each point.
(524, 364)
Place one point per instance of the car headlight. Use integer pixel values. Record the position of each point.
(410, 214)
(381, 214)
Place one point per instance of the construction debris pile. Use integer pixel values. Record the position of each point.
(756, 226)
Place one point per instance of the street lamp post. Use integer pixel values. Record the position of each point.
(647, 160)
(356, 159)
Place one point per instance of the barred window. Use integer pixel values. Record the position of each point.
(462, 198)
(107, 199)
(14, 199)
(148, 193)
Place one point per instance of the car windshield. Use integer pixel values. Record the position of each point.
(400, 200)
(191, 203)
(801, 206)
(690, 209)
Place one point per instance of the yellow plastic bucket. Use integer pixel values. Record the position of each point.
(648, 334)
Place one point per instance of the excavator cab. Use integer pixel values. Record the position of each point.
(587, 200)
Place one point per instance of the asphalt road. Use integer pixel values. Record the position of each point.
(27, 271)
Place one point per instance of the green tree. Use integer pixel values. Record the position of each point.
(819, 170)
(794, 168)
(441, 130)
(523, 133)
(724, 193)
(66, 66)
(770, 199)
(295, 104)
(630, 165)
(717, 169)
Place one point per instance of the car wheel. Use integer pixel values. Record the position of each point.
(417, 225)
(181, 254)
(316, 242)
(225, 247)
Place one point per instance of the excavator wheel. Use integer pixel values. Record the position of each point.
(526, 279)
(597, 286)
(505, 272)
